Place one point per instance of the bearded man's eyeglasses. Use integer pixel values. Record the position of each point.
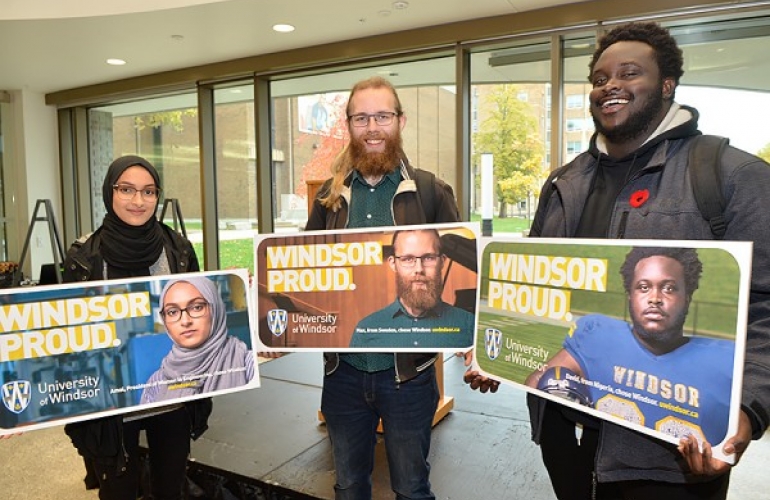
(382, 119)
(427, 260)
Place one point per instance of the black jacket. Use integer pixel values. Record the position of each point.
(102, 439)
(84, 258)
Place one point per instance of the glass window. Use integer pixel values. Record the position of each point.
(310, 128)
(236, 174)
(575, 101)
(578, 124)
(164, 130)
(725, 79)
(513, 85)
(574, 147)
(4, 128)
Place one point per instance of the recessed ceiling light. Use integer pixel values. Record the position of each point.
(116, 62)
(283, 28)
(400, 5)
(383, 13)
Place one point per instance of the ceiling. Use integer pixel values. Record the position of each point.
(52, 45)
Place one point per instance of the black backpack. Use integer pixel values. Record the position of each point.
(704, 162)
(426, 191)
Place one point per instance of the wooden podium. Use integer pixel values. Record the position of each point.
(445, 403)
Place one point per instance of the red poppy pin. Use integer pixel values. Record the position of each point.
(639, 198)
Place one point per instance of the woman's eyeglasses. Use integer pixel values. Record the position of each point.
(173, 314)
(126, 192)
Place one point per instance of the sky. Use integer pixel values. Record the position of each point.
(736, 114)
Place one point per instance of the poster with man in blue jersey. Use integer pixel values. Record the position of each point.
(648, 334)
(80, 351)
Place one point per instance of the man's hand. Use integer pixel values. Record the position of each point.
(703, 463)
(476, 380)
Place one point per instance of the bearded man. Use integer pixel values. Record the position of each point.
(418, 313)
(374, 185)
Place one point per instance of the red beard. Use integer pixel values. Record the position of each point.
(420, 299)
(376, 164)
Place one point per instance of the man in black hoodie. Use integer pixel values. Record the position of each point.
(634, 182)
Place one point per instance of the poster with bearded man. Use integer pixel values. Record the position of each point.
(382, 289)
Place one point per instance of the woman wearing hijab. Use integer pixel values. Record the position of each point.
(132, 242)
(203, 356)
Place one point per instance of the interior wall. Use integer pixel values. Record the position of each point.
(32, 174)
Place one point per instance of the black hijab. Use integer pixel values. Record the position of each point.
(128, 250)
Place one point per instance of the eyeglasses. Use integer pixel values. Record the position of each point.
(195, 310)
(427, 260)
(126, 192)
(382, 119)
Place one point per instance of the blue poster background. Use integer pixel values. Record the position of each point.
(108, 361)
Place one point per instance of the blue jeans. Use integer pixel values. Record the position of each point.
(353, 402)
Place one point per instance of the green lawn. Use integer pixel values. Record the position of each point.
(234, 254)
(507, 225)
(518, 333)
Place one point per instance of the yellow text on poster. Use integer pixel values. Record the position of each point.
(538, 285)
(321, 267)
(39, 329)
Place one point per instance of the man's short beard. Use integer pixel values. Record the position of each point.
(671, 336)
(419, 299)
(637, 123)
(375, 164)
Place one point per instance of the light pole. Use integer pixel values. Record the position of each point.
(487, 193)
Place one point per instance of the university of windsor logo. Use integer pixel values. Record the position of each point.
(277, 320)
(493, 339)
(16, 395)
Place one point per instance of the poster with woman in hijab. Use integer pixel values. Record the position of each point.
(75, 352)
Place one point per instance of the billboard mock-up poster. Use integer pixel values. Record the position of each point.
(79, 351)
(384, 289)
(646, 334)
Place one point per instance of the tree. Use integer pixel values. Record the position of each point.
(509, 133)
(173, 119)
(764, 153)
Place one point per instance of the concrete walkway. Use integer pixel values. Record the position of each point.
(480, 451)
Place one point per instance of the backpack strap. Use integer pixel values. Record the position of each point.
(705, 160)
(426, 191)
